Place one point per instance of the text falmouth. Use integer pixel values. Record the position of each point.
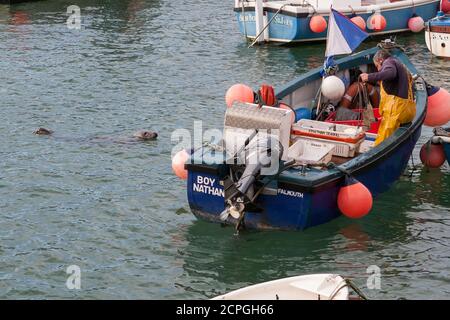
(206, 185)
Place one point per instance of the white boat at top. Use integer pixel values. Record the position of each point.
(437, 35)
(307, 20)
(306, 287)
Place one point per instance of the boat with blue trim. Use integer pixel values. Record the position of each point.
(437, 35)
(234, 182)
(442, 136)
(292, 20)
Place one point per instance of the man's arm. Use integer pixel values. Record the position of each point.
(388, 72)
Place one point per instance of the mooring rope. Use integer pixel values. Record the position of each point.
(350, 284)
(268, 24)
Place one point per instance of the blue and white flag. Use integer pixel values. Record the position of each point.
(343, 35)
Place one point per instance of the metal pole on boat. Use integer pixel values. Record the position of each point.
(259, 19)
(267, 25)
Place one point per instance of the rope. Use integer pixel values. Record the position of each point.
(268, 24)
(350, 284)
(356, 289)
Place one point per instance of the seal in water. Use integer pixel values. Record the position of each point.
(43, 132)
(145, 135)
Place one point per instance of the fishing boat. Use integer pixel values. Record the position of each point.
(307, 287)
(226, 183)
(307, 20)
(437, 35)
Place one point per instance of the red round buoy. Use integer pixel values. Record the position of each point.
(432, 155)
(416, 24)
(20, 18)
(360, 22)
(354, 199)
(376, 22)
(438, 110)
(445, 6)
(239, 92)
(178, 162)
(318, 24)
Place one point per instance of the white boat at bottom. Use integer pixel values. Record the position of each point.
(306, 287)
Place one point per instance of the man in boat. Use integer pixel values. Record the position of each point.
(397, 105)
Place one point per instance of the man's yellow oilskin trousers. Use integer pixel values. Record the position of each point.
(395, 111)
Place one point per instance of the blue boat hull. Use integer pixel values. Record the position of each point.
(287, 28)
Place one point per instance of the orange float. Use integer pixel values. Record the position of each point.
(318, 24)
(354, 199)
(432, 155)
(239, 92)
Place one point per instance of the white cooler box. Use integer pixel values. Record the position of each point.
(311, 152)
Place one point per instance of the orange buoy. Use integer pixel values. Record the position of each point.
(438, 110)
(376, 22)
(416, 24)
(318, 24)
(354, 199)
(359, 21)
(445, 6)
(20, 18)
(432, 155)
(239, 92)
(178, 162)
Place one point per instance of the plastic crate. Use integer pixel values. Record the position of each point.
(311, 152)
(328, 131)
(368, 143)
(341, 149)
(358, 123)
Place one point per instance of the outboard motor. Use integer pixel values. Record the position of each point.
(260, 157)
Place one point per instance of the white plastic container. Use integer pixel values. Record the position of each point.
(311, 152)
(368, 143)
(341, 149)
(328, 131)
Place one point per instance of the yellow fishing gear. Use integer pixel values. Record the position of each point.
(395, 111)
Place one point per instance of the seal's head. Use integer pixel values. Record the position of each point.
(145, 135)
(43, 132)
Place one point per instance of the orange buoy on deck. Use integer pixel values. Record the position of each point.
(239, 92)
